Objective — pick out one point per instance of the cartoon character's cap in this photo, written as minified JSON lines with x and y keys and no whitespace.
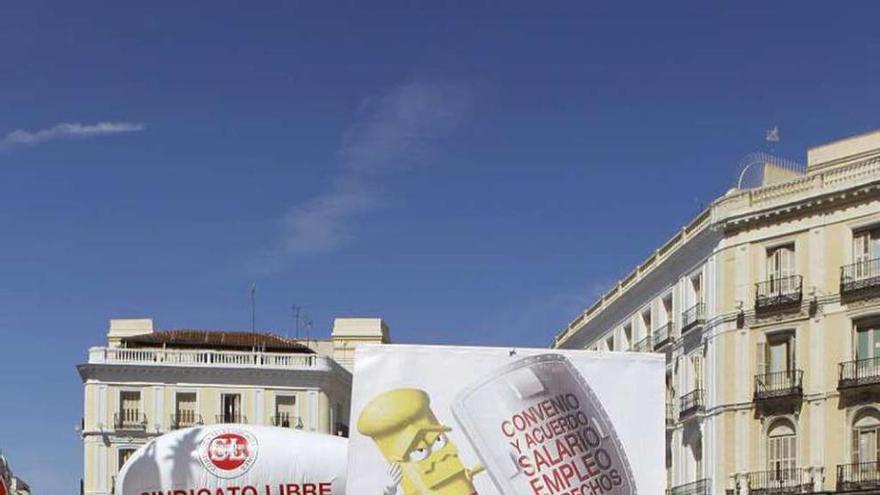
{"x":395,"y":420}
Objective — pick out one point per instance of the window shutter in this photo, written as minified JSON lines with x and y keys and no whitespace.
{"x":860,"y":246}
{"x":877,"y":444}
{"x":761,"y":358}
{"x":855,"y":446}
{"x":698,"y":371}
{"x":792,"y":353}
{"x":788,"y":261}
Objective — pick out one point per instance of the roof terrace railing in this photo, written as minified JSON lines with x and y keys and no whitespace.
{"x":205,"y":358}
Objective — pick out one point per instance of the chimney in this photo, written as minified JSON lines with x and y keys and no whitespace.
{"x":348,"y":333}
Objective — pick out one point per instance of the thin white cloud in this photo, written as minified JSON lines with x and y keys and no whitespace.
{"x":391,"y":133}
{"x":22,"y":137}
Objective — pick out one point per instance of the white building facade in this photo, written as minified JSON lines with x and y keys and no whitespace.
{"x":146,"y":382}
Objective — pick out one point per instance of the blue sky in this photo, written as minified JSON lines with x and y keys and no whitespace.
{"x":473,"y":172}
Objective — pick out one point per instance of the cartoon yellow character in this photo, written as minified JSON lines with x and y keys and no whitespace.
{"x":422,"y":458}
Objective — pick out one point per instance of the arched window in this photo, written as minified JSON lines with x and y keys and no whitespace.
{"x":781,"y":449}
{"x":865,"y":441}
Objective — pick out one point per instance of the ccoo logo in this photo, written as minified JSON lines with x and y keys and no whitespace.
{"x":228,"y":453}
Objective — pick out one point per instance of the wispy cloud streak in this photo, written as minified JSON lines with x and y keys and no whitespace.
{"x":20,"y":137}
{"x":391,"y":133}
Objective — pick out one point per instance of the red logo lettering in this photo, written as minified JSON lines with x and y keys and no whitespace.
{"x":228,"y":451}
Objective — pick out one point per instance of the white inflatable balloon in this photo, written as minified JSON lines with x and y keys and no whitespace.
{"x":237,"y":460}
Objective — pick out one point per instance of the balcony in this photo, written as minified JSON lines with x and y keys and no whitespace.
{"x":231,"y":419}
{"x":779,"y":385}
{"x":644,"y":345}
{"x":287,"y":421}
{"x":863,"y":477}
{"x":779,"y":295}
{"x":861,"y":373}
{"x":130,"y":420}
{"x":662,"y":336}
{"x":693,"y":316}
{"x":699,"y":487}
{"x":185,"y":419}
{"x":860,"y":279}
{"x":780,"y":482}
{"x":691,"y":404}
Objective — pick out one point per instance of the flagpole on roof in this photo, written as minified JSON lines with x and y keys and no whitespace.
{"x":254,"y":312}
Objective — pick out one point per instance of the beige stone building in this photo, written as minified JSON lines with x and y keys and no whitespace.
{"x":767,"y":306}
{"x":145,"y":382}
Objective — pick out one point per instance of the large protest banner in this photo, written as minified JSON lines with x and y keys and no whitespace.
{"x":236,"y":460}
{"x":432,"y":420}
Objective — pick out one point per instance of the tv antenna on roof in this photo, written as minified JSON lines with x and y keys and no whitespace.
{"x":296,"y":311}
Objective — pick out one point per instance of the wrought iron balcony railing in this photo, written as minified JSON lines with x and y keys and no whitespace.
{"x":693,"y":316}
{"x":779,"y":294}
{"x":780,"y":482}
{"x":699,"y":487}
{"x":779,"y":384}
{"x":662,"y":335}
{"x":644,"y":345}
{"x":287,"y":421}
{"x":231,"y":419}
{"x":860,"y":278}
{"x":130,"y":419}
{"x":691,"y":404}
{"x":859,"y":373}
{"x":861,"y":477}
{"x":185,"y":419}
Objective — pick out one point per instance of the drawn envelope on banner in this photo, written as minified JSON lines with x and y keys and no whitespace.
{"x":539,"y":428}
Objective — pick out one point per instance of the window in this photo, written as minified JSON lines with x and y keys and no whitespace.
{"x":697,"y":453}
{"x":609,"y":343}
{"x":627,"y":336}
{"x":695,"y":294}
{"x":340,"y":426}
{"x":866,"y":245}
{"x":667,"y":308}
{"x":695,"y":377}
{"x":781,"y":450}
{"x":123,"y":455}
{"x":646,"y":322}
{"x":185,"y":409}
{"x":780,"y":268}
{"x":865,"y":444}
{"x":231,"y":407}
{"x":285,"y":411}
{"x":867,"y":340}
{"x":776,"y":354}
{"x":129,"y":409}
